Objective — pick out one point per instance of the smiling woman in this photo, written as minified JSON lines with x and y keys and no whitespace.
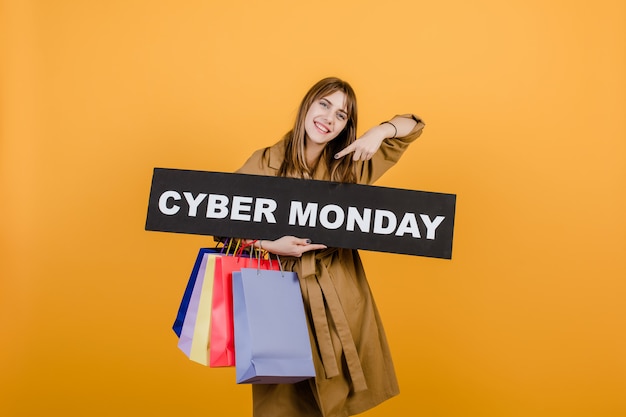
{"x":352,"y":374}
{"x":326,"y":118}
{"x":525,"y":102}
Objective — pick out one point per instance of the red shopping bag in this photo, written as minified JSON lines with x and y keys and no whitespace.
{"x":222,"y":335}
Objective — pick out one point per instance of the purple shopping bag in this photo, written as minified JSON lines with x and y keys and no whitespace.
{"x":194,"y":336}
{"x":272,"y":344}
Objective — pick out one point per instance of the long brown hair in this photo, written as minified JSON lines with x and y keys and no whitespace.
{"x":341,"y":170}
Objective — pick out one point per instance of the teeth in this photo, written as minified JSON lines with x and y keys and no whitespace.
{"x":321,"y":127}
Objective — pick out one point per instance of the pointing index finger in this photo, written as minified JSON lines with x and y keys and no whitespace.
{"x":345,"y":151}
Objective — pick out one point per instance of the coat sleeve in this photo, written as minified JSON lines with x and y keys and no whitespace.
{"x":388,"y":154}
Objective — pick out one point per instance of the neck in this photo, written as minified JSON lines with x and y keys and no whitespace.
{"x":312,"y":154}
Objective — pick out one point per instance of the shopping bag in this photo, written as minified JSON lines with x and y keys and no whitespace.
{"x":222,"y":337}
{"x":194,"y":338}
{"x":272,"y":344}
{"x":201,"y":332}
{"x":198,"y":268}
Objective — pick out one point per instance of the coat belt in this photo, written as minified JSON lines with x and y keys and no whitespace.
{"x":319,"y":287}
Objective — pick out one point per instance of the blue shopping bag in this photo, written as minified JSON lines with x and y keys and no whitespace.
{"x":272,"y":344}
{"x":184,"y":303}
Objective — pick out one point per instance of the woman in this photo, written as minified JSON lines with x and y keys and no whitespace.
{"x":350,"y":351}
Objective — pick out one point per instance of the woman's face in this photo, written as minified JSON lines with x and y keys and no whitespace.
{"x":325,"y":119}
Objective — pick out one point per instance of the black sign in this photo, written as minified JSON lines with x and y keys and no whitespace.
{"x":335,"y":214}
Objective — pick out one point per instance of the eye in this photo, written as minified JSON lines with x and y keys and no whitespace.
{"x":324,"y":104}
{"x":342,"y":116}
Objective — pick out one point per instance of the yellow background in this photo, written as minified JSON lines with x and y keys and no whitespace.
{"x":525,"y":105}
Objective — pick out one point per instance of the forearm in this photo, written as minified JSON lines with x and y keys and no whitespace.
{"x":400,"y":126}
{"x":255,"y":243}
{"x":285,"y":246}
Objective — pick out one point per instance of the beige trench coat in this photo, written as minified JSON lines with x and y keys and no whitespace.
{"x":352,"y":359}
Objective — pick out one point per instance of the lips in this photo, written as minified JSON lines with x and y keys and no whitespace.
{"x":321,"y":127}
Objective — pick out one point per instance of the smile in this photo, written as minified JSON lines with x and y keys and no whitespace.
{"x":321,"y":127}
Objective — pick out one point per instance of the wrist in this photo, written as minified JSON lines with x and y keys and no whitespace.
{"x":262,"y":244}
{"x":391,"y":131}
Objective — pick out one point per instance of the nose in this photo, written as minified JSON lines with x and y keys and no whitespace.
{"x":328,"y":116}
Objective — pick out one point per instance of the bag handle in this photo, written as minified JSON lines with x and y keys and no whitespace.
{"x":240,"y":247}
{"x":260,"y":253}
{"x":228,"y":243}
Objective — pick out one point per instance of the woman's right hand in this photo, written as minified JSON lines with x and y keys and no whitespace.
{"x":290,"y":246}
